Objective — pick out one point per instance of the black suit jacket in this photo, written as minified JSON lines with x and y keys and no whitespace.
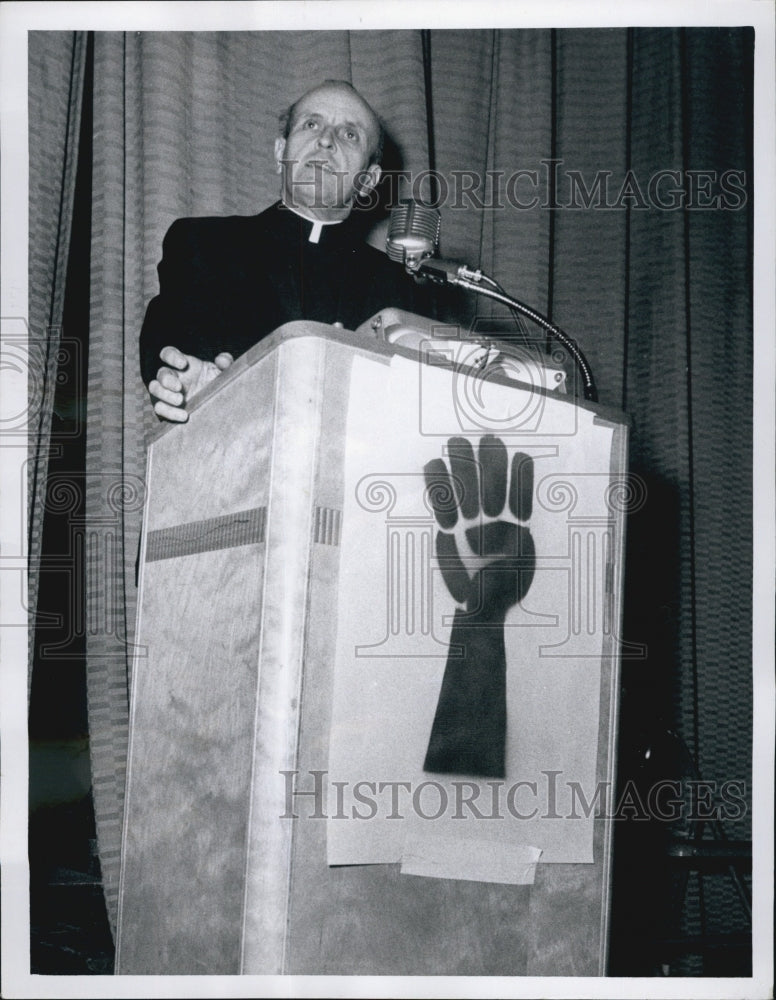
{"x":224,"y":283}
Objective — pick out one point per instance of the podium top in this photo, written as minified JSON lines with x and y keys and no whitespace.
{"x":393,"y":333}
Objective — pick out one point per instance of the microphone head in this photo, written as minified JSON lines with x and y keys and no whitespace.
{"x":413,"y":233}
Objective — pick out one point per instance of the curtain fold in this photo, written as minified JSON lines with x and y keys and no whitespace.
{"x":591,"y":142}
{"x":658,"y":295}
{"x":56,"y":65}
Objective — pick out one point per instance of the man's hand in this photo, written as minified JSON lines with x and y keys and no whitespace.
{"x":180,"y":379}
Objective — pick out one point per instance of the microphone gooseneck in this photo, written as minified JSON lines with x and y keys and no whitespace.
{"x":413,"y":240}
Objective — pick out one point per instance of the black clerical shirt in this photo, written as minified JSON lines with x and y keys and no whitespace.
{"x":225,"y":283}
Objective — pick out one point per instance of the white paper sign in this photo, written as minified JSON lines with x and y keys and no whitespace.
{"x":395,"y":615}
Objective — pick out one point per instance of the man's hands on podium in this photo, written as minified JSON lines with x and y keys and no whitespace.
{"x":180,"y":378}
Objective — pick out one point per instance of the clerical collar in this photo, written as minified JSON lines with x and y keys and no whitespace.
{"x":317,"y":225}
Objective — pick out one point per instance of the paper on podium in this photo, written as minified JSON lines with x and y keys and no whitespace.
{"x":393,"y":630}
{"x":474,"y":860}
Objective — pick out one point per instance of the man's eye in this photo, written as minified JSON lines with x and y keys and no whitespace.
{"x":350,"y":134}
{"x":310,"y":124}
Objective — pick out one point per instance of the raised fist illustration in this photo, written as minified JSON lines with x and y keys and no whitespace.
{"x":487,"y":560}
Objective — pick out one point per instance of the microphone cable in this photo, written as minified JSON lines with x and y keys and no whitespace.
{"x":412,"y":240}
{"x":496,"y":292}
{"x":472,"y":280}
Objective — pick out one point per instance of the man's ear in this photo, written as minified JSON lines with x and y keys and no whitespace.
{"x":280,"y":148}
{"x":369,"y":178}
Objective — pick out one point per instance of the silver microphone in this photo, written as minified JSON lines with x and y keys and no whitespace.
{"x":413,"y":239}
{"x":413,"y":233}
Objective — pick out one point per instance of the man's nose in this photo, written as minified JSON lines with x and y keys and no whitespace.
{"x":326,"y":137}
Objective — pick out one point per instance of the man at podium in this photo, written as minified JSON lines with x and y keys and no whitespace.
{"x":227,"y":282}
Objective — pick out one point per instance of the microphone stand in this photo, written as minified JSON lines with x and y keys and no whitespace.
{"x":442,"y":272}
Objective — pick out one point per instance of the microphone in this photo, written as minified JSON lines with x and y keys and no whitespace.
{"x":413,"y":239}
{"x":413,"y":233}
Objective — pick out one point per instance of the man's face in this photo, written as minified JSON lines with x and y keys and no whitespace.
{"x":325,"y":160}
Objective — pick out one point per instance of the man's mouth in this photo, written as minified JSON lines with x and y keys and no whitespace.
{"x":322,"y":165}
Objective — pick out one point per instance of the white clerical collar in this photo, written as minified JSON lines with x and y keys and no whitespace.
{"x":315,"y":232}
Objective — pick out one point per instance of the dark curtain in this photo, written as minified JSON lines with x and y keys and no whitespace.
{"x":56,"y":74}
{"x":629,"y":225}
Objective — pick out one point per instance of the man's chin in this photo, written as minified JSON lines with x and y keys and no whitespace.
{"x":318,"y":210}
{"x":319,"y":203}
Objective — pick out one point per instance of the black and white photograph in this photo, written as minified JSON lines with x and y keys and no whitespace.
{"x":387,"y":442}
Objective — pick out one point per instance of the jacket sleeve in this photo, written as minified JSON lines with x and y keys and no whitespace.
{"x":180,"y":314}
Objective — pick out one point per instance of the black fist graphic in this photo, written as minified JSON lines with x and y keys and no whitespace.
{"x":487,"y":560}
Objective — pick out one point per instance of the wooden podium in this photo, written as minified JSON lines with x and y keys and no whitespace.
{"x":242,"y":591}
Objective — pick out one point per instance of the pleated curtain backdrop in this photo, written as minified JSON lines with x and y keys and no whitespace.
{"x":56,"y":75}
{"x":658,"y":298}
